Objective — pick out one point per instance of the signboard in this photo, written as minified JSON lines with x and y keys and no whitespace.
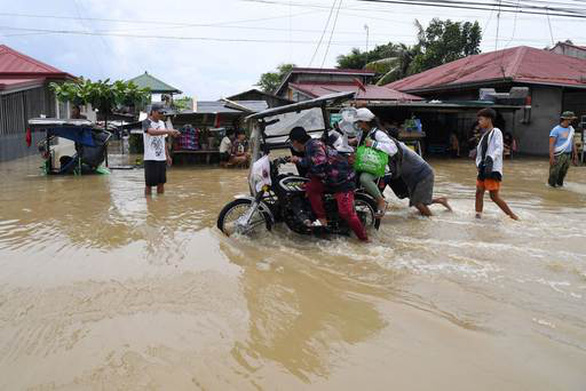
{"x":334,"y":118}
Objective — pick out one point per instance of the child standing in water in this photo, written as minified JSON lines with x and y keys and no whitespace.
{"x":489,"y":162}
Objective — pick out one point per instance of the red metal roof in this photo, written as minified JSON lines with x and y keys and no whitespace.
{"x":15,"y":63}
{"x":520,"y":64}
{"x":372,"y":92}
{"x":360,"y":72}
{"x":9,"y":83}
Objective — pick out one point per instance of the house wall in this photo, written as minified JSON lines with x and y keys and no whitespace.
{"x":15,"y":110}
{"x":575,"y":101}
{"x":569,"y":51}
{"x":546,"y":107}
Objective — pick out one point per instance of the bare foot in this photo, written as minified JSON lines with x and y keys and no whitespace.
{"x":444,"y":202}
{"x":478,"y":215}
{"x":515,"y":217}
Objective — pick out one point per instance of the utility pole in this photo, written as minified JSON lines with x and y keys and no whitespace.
{"x":367,"y":36}
{"x":498,"y":25}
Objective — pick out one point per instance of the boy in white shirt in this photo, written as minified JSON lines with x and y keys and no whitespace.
{"x":489,"y":162}
{"x":156,"y":156}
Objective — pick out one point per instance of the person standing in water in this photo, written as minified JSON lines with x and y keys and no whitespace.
{"x":562,"y":149}
{"x":156,"y":155}
{"x":489,"y":162}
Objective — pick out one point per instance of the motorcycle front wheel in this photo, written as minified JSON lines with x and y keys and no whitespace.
{"x":230,"y":219}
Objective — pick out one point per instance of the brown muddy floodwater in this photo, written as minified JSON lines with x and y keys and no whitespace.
{"x":102,"y":289}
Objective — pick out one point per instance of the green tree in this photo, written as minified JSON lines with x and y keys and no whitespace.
{"x":270,"y":81}
{"x":102,"y":95}
{"x":183,"y":103}
{"x":389,"y":62}
{"x":444,"y":41}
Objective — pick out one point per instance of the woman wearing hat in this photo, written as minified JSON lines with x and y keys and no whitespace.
{"x":562,"y":149}
{"x":375,"y":138}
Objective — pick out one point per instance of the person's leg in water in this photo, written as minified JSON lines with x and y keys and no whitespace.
{"x":347,"y":212}
{"x":148,"y":191}
{"x":565,"y":166}
{"x":494,"y":196}
{"x":161,"y":188}
{"x":422,"y":196}
{"x":557,"y":172}
{"x":480,"y":189}
{"x":368,"y":181}
{"x":315,"y":190}
{"x":442,"y":201}
{"x":423,"y":209}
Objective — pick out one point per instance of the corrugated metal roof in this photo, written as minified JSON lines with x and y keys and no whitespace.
{"x":372,"y":92}
{"x":14,"y":63}
{"x":13,"y":83}
{"x":155,"y":85}
{"x":356,"y":72}
{"x":219,"y":107}
{"x":520,"y":64}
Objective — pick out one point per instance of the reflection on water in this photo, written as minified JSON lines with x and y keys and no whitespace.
{"x":101,"y":287}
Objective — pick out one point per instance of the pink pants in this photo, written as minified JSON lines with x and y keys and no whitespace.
{"x":315,"y":190}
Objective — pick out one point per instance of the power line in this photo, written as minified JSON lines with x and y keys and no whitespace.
{"x":550,"y":31}
{"x":404,"y":2}
{"x":323,"y":33}
{"x":331,"y":34}
{"x":472,"y":6}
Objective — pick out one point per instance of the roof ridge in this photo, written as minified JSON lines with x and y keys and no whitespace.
{"x":520,"y":56}
{"x":48,"y":68}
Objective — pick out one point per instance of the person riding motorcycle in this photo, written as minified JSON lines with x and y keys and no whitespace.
{"x":374,"y":137}
{"x":327,"y":168}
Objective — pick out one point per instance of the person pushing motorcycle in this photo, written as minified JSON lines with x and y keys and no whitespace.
{"x":326,"y":168}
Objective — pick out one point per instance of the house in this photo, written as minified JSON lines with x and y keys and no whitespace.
{"x":156,"y":86}
{"x":556,"y":83}
{"x":569,"y":49}
{"x":24,"y":94}
{"x":258,"y":95}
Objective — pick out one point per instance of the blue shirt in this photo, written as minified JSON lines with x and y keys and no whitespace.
{"x":561,"y":135}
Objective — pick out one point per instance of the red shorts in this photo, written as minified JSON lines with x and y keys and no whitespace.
{"x":489,"y":184}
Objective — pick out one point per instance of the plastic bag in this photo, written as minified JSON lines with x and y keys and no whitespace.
{"x":371,"y":160}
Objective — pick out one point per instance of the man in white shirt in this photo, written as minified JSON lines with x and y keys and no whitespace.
{"x":156,"y":156}
{"x":489,"y":162}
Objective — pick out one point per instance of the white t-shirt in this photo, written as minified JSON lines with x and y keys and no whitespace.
{"x":226,"y":145}
{"x":494,"y":149}
{"x":154,"y":146}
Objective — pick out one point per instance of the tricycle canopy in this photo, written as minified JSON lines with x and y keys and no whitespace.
{"x":270,"y":128}
{"x":77,"y":130}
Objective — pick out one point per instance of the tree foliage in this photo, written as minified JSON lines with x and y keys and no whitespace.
{"x":270,"y":81}
{"x":102,"y":95}
{"x":183,"y":103}
{"x":440,"y":43}
{"x":444,"y":41}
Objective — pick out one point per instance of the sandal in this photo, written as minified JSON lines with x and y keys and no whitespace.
{"x":380,"y":213}
{"x":313,"y":224}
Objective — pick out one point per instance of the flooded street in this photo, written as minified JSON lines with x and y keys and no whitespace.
{"x":103,"y":289}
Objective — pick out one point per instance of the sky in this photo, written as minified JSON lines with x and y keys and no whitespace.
{"x":214,"y":49}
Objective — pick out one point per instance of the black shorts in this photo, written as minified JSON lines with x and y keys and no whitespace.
{"x":155,"y":172}
{"x":224,"y":156}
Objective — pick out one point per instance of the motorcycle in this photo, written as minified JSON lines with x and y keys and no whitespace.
{"x":279,"y":197}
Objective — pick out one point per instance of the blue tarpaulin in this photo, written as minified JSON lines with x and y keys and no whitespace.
{"x":78,"y":134}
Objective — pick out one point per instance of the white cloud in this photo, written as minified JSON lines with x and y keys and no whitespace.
{"x":210,"y":69}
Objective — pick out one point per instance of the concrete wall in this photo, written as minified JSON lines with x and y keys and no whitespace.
{"x":13,"y":146}
{"x":546,"y":107}
{"x":569,"y":51}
